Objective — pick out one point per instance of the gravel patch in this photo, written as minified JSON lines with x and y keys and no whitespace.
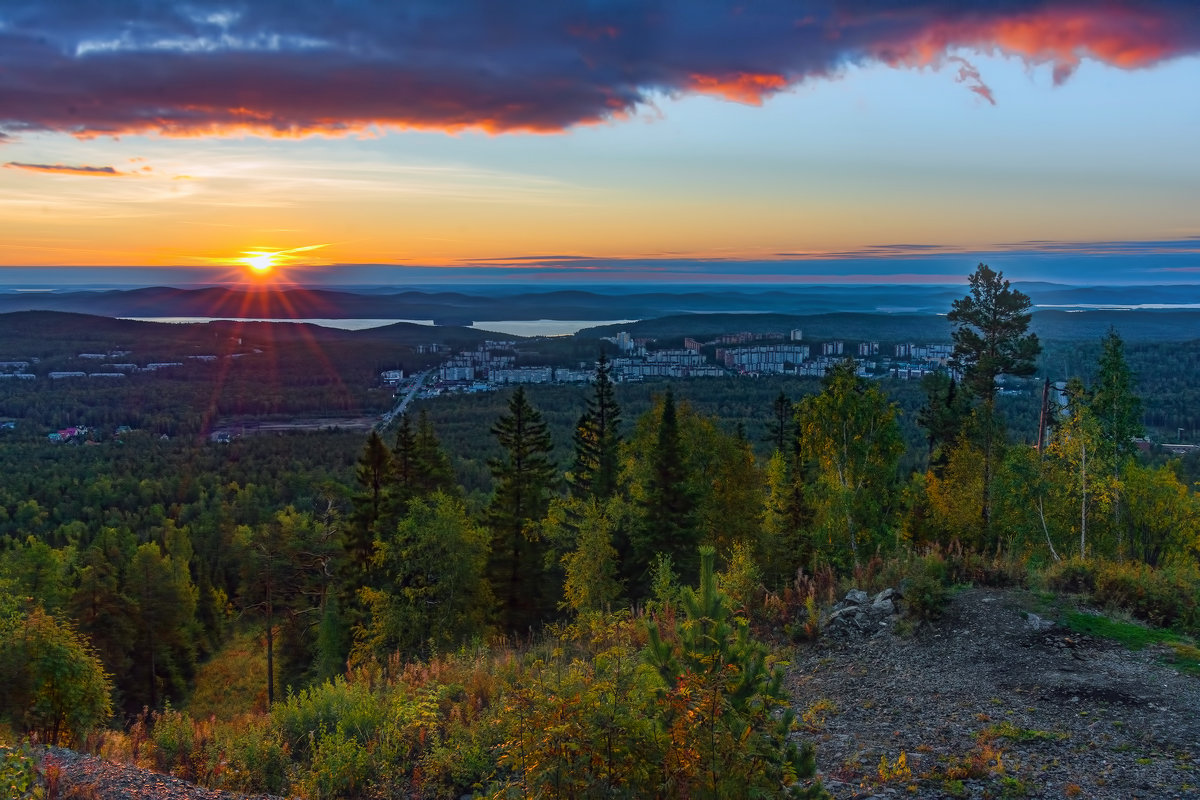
{"x":990,"y":702}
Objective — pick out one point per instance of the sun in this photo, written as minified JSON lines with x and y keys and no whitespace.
{"x":270,"y":265}
{"x":260,"y":263}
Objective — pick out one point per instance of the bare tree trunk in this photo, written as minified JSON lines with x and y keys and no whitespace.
{"x":1042,"y":516}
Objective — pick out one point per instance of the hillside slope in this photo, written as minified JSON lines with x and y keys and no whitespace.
{"x":988,"y":702}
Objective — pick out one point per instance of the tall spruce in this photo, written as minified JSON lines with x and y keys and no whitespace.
{"x":404,"y":468}
{"x":668,"y":508}
{"x":1113,"y":402}
{"x":782,"y":422}
{"x":598,"y":439}
{"x":418,"y":468}
{"x":372,"y":474}
{"x":434,"y":473}
{"x":1118,"y":414}
{"x":524,"y":478}
{"x":991,"y":339}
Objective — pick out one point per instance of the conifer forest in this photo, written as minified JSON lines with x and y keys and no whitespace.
{"x":559,"y":593}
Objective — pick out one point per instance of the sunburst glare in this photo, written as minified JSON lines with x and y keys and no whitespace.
{"x":262,"y":263}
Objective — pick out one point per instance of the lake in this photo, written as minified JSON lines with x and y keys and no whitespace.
{"x":524,"y":327}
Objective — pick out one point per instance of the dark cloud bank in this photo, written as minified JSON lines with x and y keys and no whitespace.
{"x":291,"y":67}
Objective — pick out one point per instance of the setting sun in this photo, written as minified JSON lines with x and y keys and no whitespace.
{"x":261,"y":263}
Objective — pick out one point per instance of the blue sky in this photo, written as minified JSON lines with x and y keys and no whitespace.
{"x":1054,"y":140}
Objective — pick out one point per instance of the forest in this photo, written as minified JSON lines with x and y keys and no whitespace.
{"x":564,"y":592}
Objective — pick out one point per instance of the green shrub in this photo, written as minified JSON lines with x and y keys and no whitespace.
{"x":1164,"y":598}
{"x":1073,"y":576}
{"x":19,"y":777}
{"x":174,"y":739}
{"x":337,"y":704}
{"x":249,"y":756}
{"x":741,"y":579}
{"x":925,"y":592}
{"x":978,"y":569}
{"x":52,"y":683}
{"x":341,"y":766}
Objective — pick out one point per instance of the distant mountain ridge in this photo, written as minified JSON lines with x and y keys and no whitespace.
{"x":559,"y":304}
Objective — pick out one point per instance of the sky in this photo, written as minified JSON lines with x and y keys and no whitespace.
{"x":587,"y":141}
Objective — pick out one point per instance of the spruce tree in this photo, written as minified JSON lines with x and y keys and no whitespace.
{"x":432,"y":468}
{"x":1113,"y":402}
{"x":404,"y":470}
{"x":1118,"y":414}
{"x":419,"y":467}
{"x":781,"y":421}
{"x":598,"y":439}
{"x":372,"y":474}
{"x":524,"y":477}
{"x":943,"y":415}
{"x":668,"y":507}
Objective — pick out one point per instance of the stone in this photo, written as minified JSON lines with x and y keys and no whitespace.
{"x":856,"y":596}
{"x":1036,"y":623}
{"x":884,"y":607}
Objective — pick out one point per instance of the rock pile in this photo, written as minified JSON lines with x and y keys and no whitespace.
{"x":859,"y":614}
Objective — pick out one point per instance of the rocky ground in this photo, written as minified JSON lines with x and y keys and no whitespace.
{"x":75,"y":776}
{"x":993,"y":701}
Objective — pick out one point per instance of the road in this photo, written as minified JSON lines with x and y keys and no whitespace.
{"x":387,"y":418}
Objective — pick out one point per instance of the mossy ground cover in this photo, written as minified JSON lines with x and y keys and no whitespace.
{"x":1185,"y":654}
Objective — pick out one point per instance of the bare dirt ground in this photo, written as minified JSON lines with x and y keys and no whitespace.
{"x":986,"y":702}
{"x":75,"y":776}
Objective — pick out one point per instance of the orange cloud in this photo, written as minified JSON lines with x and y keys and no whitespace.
{"x":743,"y":87}
{"x":1120,"y":36}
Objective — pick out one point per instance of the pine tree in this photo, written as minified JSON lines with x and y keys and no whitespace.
{"x":991,"y":339}
{"x":524,"y":477}
{"x":992,"y":336}
{"x":727,"y":714}
{"x":103,"y":613}
{"x":598,"y":439}
{"x":165,"y":612}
